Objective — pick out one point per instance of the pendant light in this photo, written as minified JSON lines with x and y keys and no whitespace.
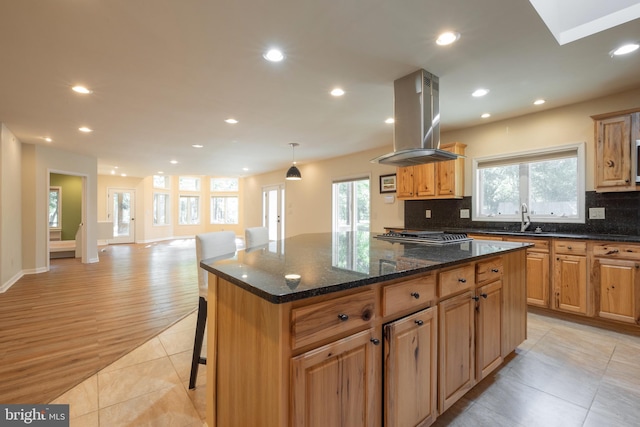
{"x":293,"y":174}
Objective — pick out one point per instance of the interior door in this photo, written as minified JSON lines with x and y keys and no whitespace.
{"x":273,"y":211}
{"x":121,"y":205}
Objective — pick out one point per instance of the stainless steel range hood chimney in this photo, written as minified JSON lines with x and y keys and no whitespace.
{"x":416,"y":131}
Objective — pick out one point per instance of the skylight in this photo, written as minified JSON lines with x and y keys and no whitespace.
{"x":571,"y":20}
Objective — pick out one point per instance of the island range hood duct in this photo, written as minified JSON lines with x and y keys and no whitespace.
{"x":416,"y":130}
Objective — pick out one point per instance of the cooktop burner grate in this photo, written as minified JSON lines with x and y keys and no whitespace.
{"x":425,"y":237}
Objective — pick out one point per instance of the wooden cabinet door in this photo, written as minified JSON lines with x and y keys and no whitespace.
{"x":338,"y":384}
{"x":424,"y":179}
{"x":456,"y":334}
{"x":619,"y":286}
{"x":404,"y":182}
{"x":538,"y":279}
{"x":410,"y":385}
{"x":488,"y":329}
{"x":570,"y":283}
{"x":446,"y":178}
{"x":613,"y":154}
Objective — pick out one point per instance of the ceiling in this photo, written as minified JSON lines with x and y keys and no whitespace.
{"x":165,"y":74}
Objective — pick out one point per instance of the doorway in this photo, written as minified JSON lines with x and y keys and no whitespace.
{"x":121,"y":209}
{"x":273,"y":211}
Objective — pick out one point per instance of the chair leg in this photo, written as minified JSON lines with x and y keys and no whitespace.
{"x":197,"y":345}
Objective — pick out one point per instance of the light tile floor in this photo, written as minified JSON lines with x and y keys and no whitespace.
{"x":565,"y":374}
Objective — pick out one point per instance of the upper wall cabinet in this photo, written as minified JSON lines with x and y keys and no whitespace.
{"x":615,"y":136}
{"x":441,"y":180}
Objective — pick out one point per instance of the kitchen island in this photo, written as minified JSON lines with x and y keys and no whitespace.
{"x":348,"y":330}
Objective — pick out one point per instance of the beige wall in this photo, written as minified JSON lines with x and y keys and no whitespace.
{"x":146,"y":231}
{"x":553,"y":127}
{"x":308,"y":201}
{"x":10,"y":208}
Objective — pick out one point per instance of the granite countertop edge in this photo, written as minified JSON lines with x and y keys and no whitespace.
{"x":353,"y":284}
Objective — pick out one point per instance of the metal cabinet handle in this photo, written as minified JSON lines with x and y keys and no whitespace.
{"x":569,"y":247}
{"x":495,"y":270}
{"x":475,"y":298}
{"x":415,"y":295}
{"x":343,"y":317}
{"x":462,"y":280}
{"x":375,"y":341}
{"x":484,"y":296}
{"x":419,"y":322}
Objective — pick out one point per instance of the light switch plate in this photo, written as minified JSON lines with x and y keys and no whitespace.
{"x":596,"y":213}
{"x":427,"y":213}
{"x":464,"y":213}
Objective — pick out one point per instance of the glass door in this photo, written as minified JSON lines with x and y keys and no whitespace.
{"x":272,"y":211}
{"x":121,"y":210}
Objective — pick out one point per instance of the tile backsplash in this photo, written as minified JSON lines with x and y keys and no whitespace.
{"x":622,"y":216}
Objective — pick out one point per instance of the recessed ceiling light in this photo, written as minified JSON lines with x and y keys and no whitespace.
{"x":113,"y":172}
{"x":623,"y":50}
{"x":485,"y":115}
{"x":231,"y":121}
{"x":337,"y":92}
{"x":480,"y":92}
{"x":245,"y":169}
{"x":46,"y":138}
{"x":160,"y":172}
{"x":173,"y":162}
{"x":273,"y":55}
{"x":197,"y":145}
{"x":389,"y":121}
{"x":85,"y":129}
{"x":123,"y":174}
{"x":539,"y":102}
{"x":447,"y":38}
{"x":81,"y":89}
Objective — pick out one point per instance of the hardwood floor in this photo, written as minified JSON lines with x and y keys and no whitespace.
{"x":61,"y":327}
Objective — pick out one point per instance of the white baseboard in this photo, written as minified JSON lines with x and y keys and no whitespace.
{"x":5,"y":286}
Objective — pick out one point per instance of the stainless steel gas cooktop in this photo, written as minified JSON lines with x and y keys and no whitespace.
{"x":425,"y":237}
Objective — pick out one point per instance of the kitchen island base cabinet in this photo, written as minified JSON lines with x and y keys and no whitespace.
{"x":411,"y":377}
{"x":395,"y":353}
{"x":337,"y":384}
{"x":456,"y":336}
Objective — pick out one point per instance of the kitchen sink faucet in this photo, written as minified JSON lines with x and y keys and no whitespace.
{"x":525,"y":223}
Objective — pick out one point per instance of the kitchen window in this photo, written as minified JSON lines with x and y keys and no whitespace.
{"x":224,"y":210}
{"x":160,"y":209}
{"x":550,"y":182}
{"x":189,"y":210}
{"x":189,"y":183}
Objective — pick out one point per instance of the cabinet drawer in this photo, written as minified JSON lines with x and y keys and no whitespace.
{"x":617,"y":250}
{"x":539,"y":245}
{"x":325,"y":319}
{"x":456,"y":280}
{"x":570,"y":247}
{"x":488,"y":271}
{"x":412,"y":293}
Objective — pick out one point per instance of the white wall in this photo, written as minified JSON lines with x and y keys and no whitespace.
{"x":38,"y":162}
{"x":10,"y":209}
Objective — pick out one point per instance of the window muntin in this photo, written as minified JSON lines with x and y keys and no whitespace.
{"x":224,"y":210}
{"x":161,"y":181}
{"x":189,"y":183}
{"x":550,"y":182}
{"x":160,"y":209}
{"x":224,"y":184}
{"x":189,"y":210}
{"x":55,"y":207}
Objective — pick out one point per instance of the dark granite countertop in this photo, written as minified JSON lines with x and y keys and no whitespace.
{"x":544,"y":234}
{"x":307,"y":265}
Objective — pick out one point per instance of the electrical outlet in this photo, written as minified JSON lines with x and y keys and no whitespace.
{"x":596,"y":213}
{"x":427,"y":213}
{"x":464,"y":213}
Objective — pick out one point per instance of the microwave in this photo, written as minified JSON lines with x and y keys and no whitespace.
{"x":637,"y":161}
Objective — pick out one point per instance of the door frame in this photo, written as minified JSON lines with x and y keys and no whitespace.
{"x":114,"y":240}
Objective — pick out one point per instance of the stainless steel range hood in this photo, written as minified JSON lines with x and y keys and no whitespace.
{"x":416,"y":132}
